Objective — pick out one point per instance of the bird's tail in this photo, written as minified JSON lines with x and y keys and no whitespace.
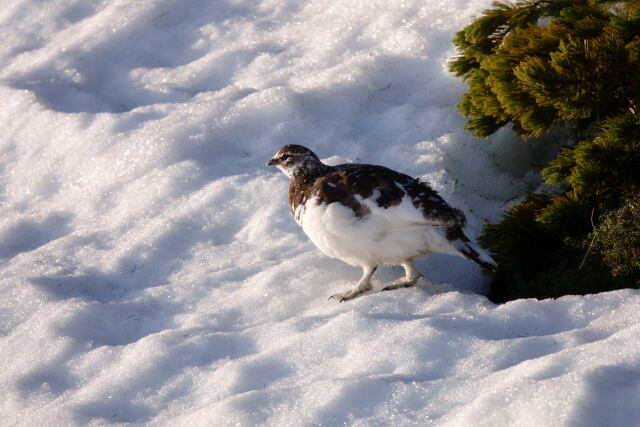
{"x":480,"y":256}
{"x":470,"y":250}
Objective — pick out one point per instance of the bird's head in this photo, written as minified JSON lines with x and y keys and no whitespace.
{"x":294,"y":160}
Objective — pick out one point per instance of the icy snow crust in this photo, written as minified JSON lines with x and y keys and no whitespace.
{"x":150,"y":269}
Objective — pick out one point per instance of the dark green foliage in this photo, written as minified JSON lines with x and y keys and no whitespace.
{"x":617,"y":241}
{"x":537,"y":64}
{"x":534,"y":260}
{"x":519,"y":242}
{"x":605,"y":169}
{"x":543,"y":245}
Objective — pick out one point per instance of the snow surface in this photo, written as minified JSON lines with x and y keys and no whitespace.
{"x":152,"y":273}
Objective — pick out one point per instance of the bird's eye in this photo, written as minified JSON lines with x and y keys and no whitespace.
{"x":285,"y":156}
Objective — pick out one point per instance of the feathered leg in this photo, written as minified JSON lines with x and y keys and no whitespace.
{"x":363,"y":285}
{"x":411,"y":276}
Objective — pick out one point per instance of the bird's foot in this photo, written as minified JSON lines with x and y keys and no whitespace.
{"x":346,"y":296}
{"x":402,"y":283}
{"x":363,"y":285}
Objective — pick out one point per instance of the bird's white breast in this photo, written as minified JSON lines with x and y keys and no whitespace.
{"x":384,"y":236}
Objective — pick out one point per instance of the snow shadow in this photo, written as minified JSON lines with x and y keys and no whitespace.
{"x":356,"y":400}
{"x":54,"y":377}
{"x":114,"y":311}
{"x":101,"y":320}
{"x":610,"y":398}
{"x":28,"y":235}
{"x":184,"y":350}
{"x":260,"y":374}
{"x":92,"y":285}
{"x":85,"y":76}
{"x":145,"y":265}
{"x":121,"y":323}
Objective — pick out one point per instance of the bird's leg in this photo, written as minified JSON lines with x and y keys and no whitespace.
{"x":363,"y":285}
{"x":411,"y":276}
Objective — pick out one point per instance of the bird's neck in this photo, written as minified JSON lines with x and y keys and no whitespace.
{"x":308,"y":172}
{"x":301,"y":184}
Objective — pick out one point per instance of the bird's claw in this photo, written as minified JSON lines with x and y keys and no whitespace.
{"x":339,"y":297}
{"x":398,"y":286}
{"x":402,"y":283}
{"x":345,"y":296}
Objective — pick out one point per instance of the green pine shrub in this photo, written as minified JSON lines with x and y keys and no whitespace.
{"x":605,"y":169}
{"x":617,"y":241}
{"x":535,"y":260}
{"x":540,"y":64}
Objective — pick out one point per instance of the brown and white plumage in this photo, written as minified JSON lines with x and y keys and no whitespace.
{"x":368,"y":215}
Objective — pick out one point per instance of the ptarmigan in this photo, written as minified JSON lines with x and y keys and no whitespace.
{"x":368,"y":216}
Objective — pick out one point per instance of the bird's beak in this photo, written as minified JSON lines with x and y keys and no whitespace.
{"x":271,"y":162}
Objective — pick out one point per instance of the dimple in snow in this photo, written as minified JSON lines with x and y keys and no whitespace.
{"x":369,"y":215}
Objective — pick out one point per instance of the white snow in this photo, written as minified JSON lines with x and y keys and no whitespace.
{"x":151,"y":271}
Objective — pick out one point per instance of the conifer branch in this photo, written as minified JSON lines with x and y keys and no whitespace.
{"x":592,"y":240}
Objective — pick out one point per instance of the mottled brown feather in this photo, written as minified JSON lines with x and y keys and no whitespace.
{"x":341,"y":184}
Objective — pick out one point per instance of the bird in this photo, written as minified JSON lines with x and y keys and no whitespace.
{"x":369,"y":215}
